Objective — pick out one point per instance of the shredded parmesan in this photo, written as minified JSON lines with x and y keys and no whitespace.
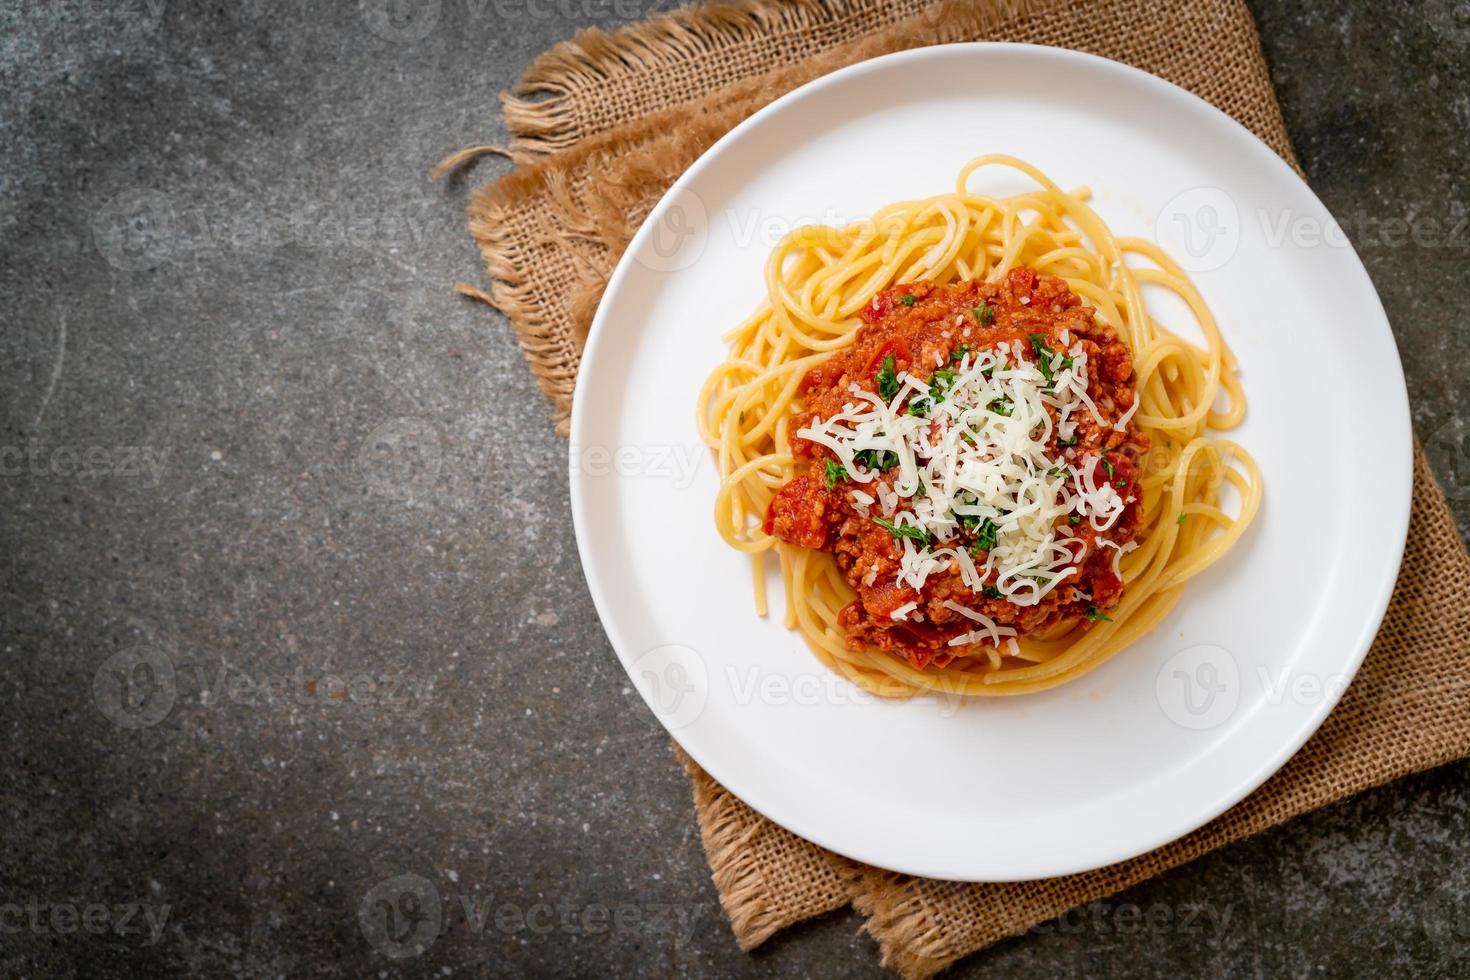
{"x":981,"y":455}
{"x":1119,"y":550}
{"x":991,"y":631}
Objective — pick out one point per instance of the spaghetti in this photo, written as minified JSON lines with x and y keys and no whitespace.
{"x":1043,"y":489}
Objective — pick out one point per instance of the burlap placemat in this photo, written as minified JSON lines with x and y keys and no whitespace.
{"x":603,"y":124}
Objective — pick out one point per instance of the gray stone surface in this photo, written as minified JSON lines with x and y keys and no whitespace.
{"x":256,"y":447}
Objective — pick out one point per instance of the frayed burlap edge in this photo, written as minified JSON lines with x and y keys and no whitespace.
{"x":550,"y":348}
{"x":540,"y":111}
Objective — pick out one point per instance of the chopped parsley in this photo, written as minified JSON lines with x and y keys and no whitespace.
{"x":958,"y":354}
{"x":836,"y":473}
{"x":986,"y":535}
{"x":887,"y":379}
{"x":910,"y":299}
{"x":984,"y":314}
{"x":1107,"y":467}
{"x":939,"y":382}
{"x":904,"y":531}
{"x":1074,"y":519}
{"x":1002,"y":406}
{"x":1094,"y":615}
{"x":1120,"y":484}
{"x":992,"y":592}
{"x":881,"y":460}
{"x":1069,"y":441}
{"x":1044,"y":354}
{"x":1181,"y":518}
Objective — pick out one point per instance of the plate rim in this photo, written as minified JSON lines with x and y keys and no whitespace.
{"x":1400,"y":473}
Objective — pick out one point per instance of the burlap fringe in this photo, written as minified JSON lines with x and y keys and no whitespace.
{"x":512,"y":293}
{"x":474,"y":292}
{"x":461,"y":157}
{"x":902,"y":926}
{"x":538,"y":111}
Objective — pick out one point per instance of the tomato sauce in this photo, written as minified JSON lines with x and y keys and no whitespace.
{"x":922,"y":326}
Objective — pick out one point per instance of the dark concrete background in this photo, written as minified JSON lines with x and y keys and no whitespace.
{"x":195,"y":483}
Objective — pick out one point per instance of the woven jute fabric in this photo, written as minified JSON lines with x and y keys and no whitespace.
{"x":601,"y":125}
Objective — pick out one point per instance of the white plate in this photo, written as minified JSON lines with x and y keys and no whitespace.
{"x":1172,"y":731}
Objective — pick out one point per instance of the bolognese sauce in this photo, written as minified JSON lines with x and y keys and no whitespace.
{"x":957,"y":531}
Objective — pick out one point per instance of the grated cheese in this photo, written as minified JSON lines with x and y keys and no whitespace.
{"x":974,"y":461}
